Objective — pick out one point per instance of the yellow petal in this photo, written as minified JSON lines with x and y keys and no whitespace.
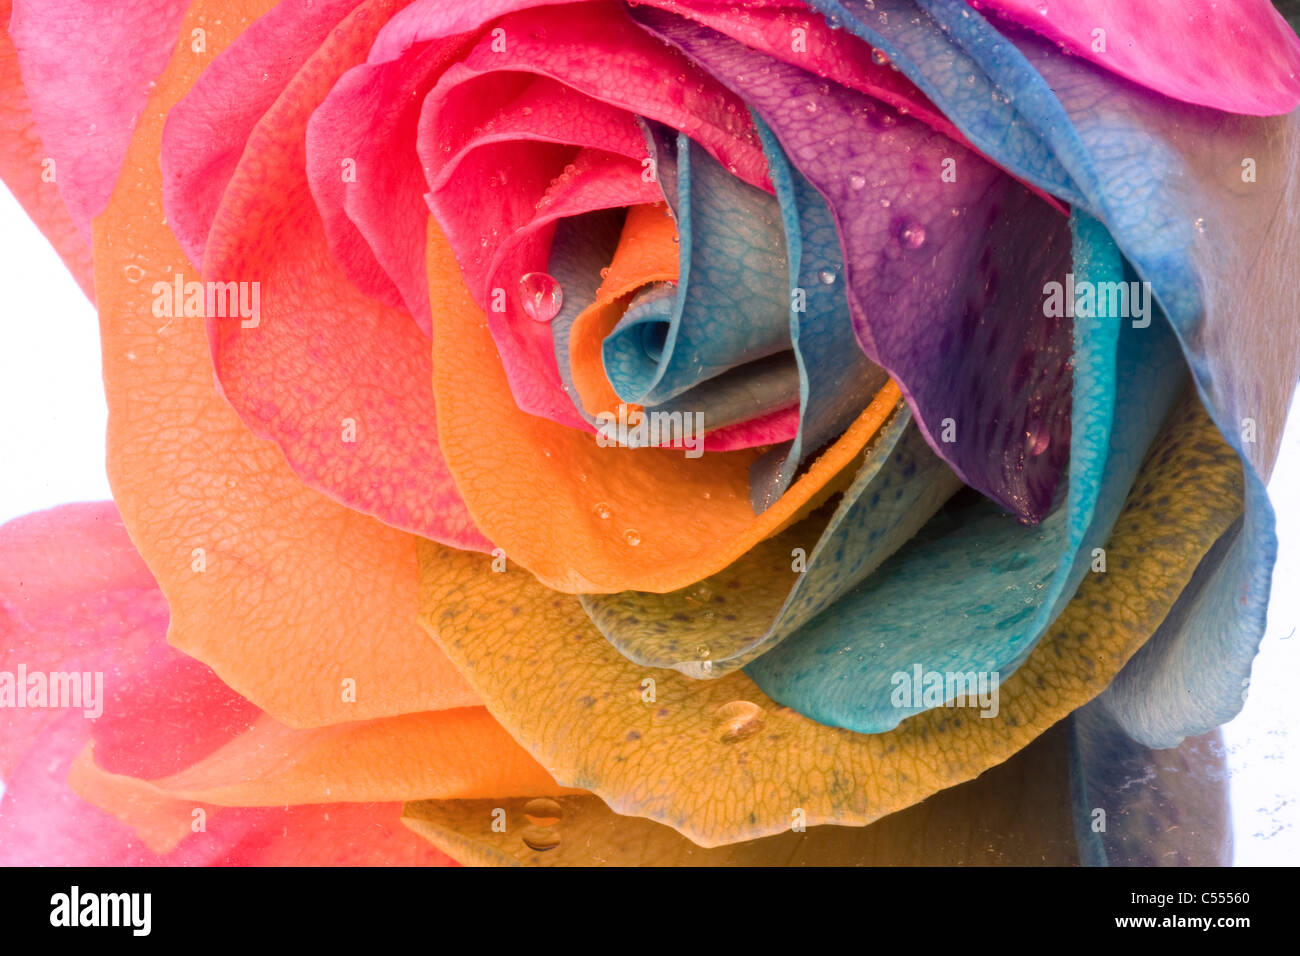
{"x":721,"y":762}
{"x":1017,"y":814}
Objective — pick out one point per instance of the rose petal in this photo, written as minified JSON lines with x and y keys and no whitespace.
{"x":487,"y":189}
{"x":1235,"y":55}
{"x":366,"y":178}
{"x":975,"y":590}
{"x":1183,"y":190}
{"x":75,"y":597}
{"x":207,"y":130}
{"x":586,"y":518}
{"x":731,"y":304}
{"x":835,"y":379}
{"x":720,"y":762}
{"x":1176,"y":816}
{"x":299,"y":592}
{"x":1193,"y":199}
{"x":943,"y":303}
{"x":24,"y":169}
{"x":85,"y":114}
{"x":730,"y":618}
{"x":451,"y":754}
{"x":339,"y":381}
{"x":1016,"y":814}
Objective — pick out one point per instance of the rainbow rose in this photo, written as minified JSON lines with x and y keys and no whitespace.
{"x":666,"y":432}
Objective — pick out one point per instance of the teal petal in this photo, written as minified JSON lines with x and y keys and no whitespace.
{"x":976,"y":589}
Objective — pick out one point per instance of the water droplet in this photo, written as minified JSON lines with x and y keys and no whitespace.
{"x":702,"y":652}
{"x":134,"y":273}
{"x":738,"y":720}
{"x":1042,"y":9}
{"x":541,"y":296}
{"x":601,"y":510}
{"x":1037,"y":438}
{"x":1200,"y":225}
{"x":857,"y":181}
{"x":880,"y":57}
{"x":912,"y":235}
{"x":827,"y":277}
{"x":885,"y":204}
{"x":632,"y":537}
{"x":543,"y":812}
{"x":539,"y":839}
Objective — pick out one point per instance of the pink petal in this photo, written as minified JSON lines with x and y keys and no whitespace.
{"x":75,"y":597}
{"x":1234,"y":55}
{"x":207,"y":130}
{"x":23,"y":166}
{"x":87,"y":66}
{"x":375,"y":216}
{"x":834,"y":54}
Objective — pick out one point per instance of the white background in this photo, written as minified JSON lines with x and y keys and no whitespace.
{"x":52,"y":451}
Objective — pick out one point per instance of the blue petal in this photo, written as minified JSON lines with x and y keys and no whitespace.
{"x":836,"y":380}
{"x":731,"y":305}
{"x":1134,"y":806}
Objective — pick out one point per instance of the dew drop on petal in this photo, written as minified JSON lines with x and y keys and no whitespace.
{"x":543,"y":812}
{"x":134,"y":273}
{"x":540,"y":839}
{"x":632,"y":537}
{"x":912,"y":235}
{"x":857,"y":181}
{"x":827,"y":277}
{"x":738,"y":720}
{"x":541,"y":296}
{"x":1037,"y":438}
{"x":601,"y":510}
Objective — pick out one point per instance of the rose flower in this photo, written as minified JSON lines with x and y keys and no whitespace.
{"x":675,"y":432}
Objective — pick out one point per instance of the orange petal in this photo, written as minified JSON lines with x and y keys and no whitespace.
{"x":451,"y":754}
{"x":570,"y":510}
{"x":646,"y":253}
{"x":284,"y":592}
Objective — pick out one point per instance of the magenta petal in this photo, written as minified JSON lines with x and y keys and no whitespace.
{"x":87,"y":67}
{"x":835,"y":55}
{"x":594,"y":180}
{"x":366,"y":178}
{"x":207,"y":130}
{"x":1234,"y":55}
